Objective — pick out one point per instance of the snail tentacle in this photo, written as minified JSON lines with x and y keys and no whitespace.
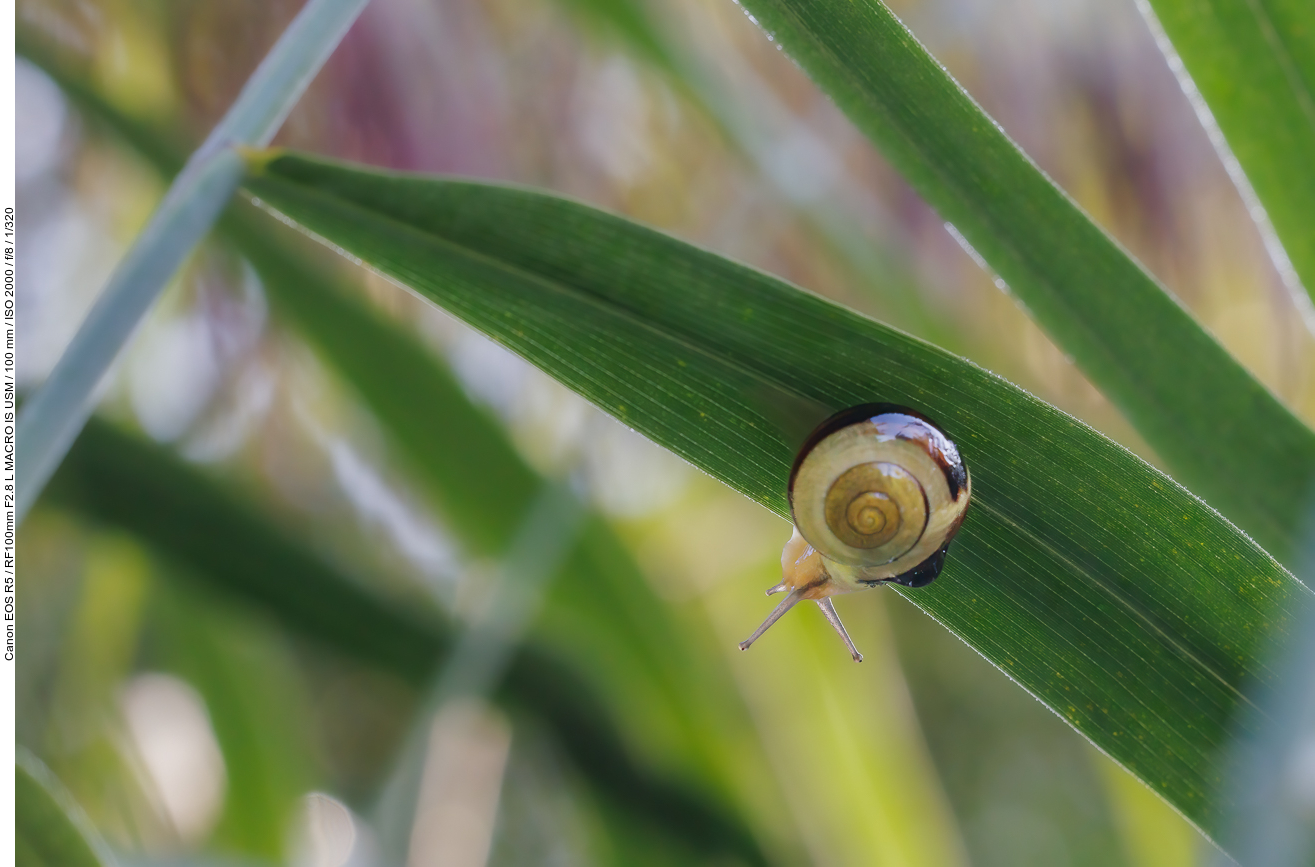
{"x":829,"y":609}
{"x":785,"y":605}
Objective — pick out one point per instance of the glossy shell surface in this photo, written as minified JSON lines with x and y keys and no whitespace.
{"x":879,"y":490}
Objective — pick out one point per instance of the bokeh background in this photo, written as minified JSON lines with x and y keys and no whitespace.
{"x":195,"y":726}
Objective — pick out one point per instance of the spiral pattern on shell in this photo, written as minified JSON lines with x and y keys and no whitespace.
{"x":879,"y":488}
{"x":876,"y":505}
{"x":870,"y":518}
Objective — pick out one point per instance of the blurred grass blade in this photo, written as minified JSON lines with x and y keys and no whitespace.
{"x":285,"y":73}
{"x":121,"y":480}
{"x":49,"y":829}
{"x":543,"y":542}
{"x":480,"y":485}
{"x":1221,"y":433}
{"x":125,"y":481}
{"x":1116,"y":597}
{"x":1153,"y":835}
{"x":57,"y":411}
{"x":629,"y":22}
{"x":1248,"y":67}
{"x":479,"y":658}
{"x":1272,"y":764}
{"x":51,"y":419}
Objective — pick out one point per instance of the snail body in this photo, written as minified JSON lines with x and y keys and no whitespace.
{"x":877,"y":493}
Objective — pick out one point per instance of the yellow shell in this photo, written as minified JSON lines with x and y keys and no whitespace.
{"x":878,"y":489}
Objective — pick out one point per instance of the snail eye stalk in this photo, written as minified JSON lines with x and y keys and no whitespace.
{"x":829,"y":609}
{"x":786,"y":604}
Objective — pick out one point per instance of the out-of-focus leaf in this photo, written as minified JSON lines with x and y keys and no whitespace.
{"x":628,"y":20}
{"x":48,"y":832}
{"x":479,"y":483}
{"x":121,"y":480}
{"x":126,"y":482}
{"x":1253,"y":63}
{"x":260,"y":721}
{"x":577,"y":719}
{"x":1112,"y":594}
{"x":1153,"y":834}
{"x":157,"y":146}
{"x":1221,"y":433}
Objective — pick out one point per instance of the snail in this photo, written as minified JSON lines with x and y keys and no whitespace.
{"x":876,"y":493}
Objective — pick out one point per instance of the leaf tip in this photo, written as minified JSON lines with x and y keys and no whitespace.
{"x":258,"y":159}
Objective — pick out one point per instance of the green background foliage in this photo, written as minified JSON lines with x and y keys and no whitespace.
{"x":279,"y":590}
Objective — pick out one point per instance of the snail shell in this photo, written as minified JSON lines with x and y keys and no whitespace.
{"x":877,"y":493}
{"x":879,"y":490}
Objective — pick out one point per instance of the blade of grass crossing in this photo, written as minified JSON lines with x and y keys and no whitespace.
{"x":1248,"y":67}
{"x":52,"y":417}
{"x":479,"y":659}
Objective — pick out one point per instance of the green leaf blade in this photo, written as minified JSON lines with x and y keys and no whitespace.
{"x":1220,"y":432}
{"x":1119,"y":599}
{"x":1253,"y":64}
